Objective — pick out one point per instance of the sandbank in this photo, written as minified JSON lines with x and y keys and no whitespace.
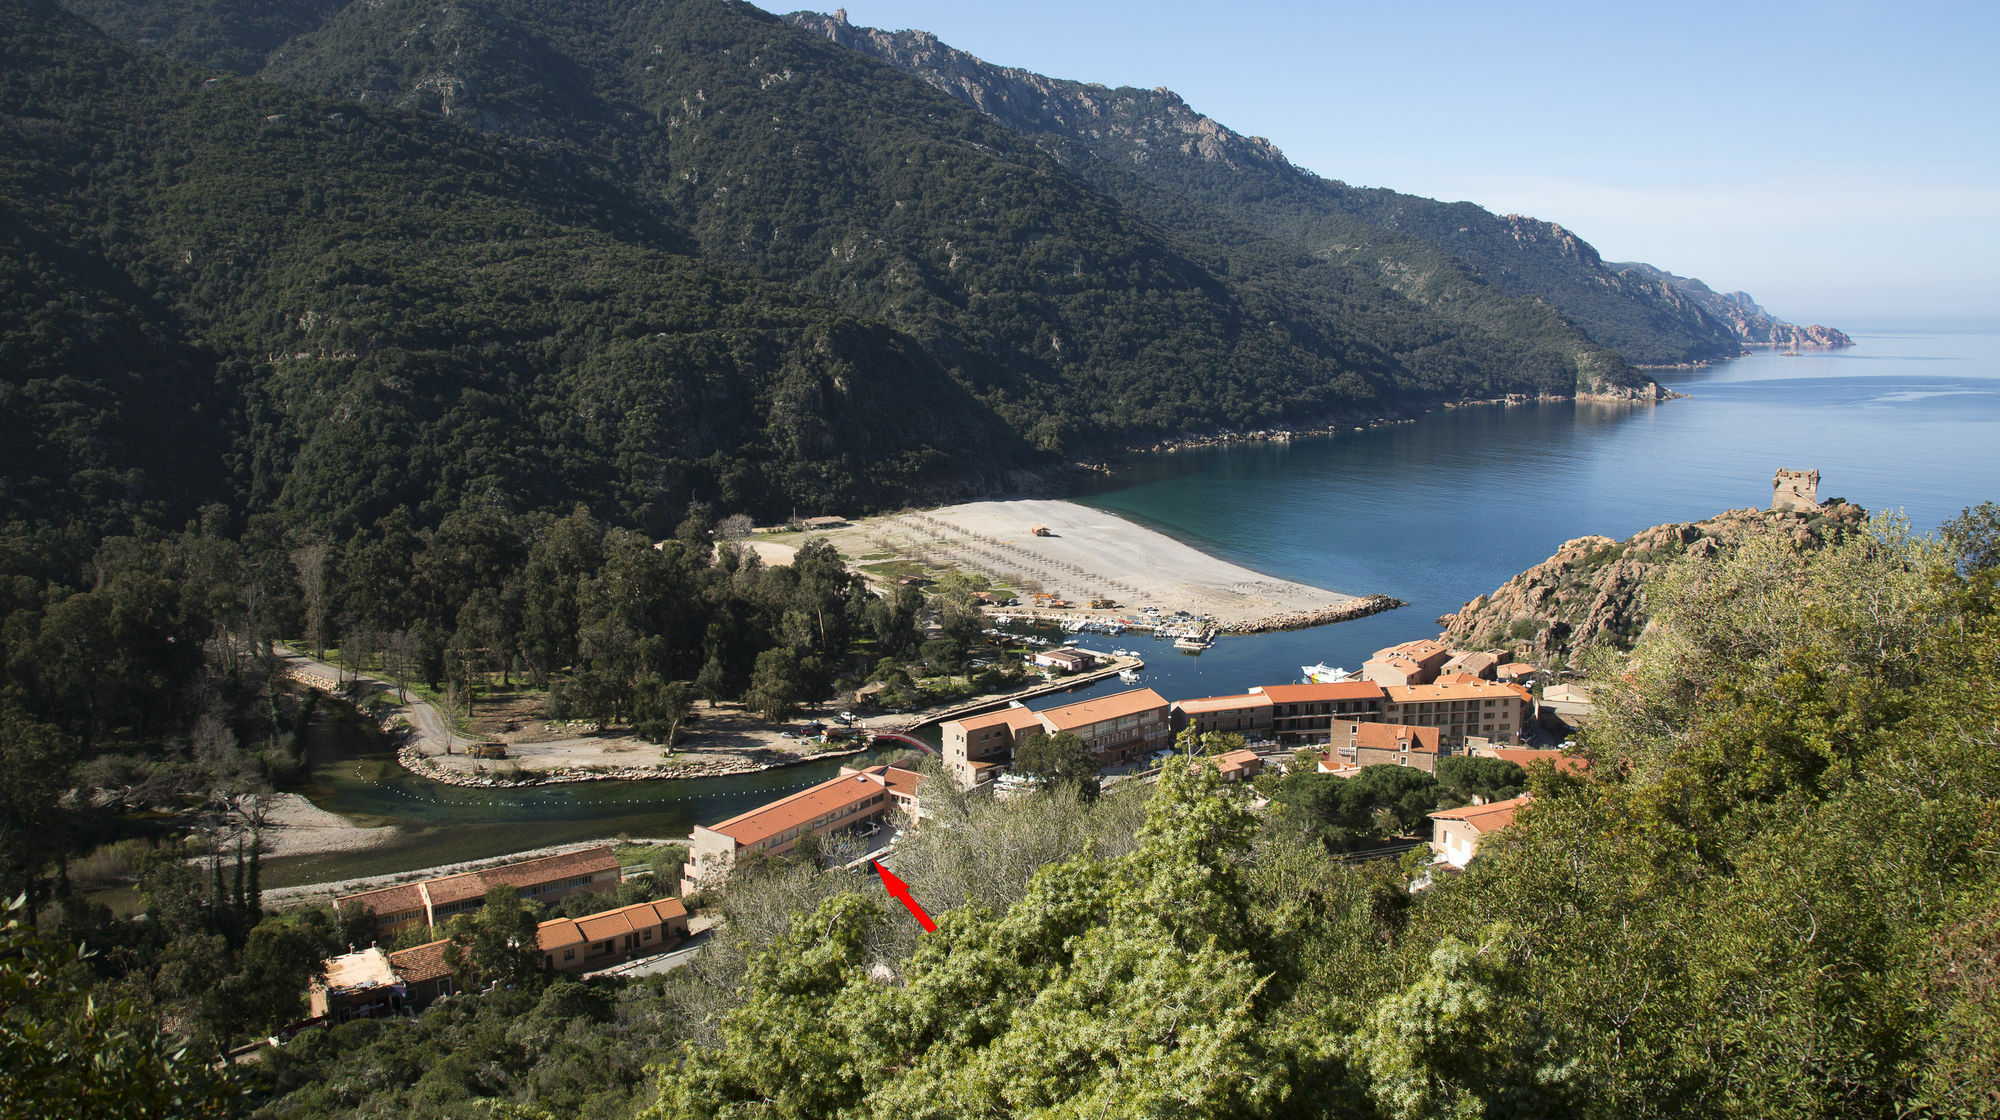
{"x":1089,"y":554}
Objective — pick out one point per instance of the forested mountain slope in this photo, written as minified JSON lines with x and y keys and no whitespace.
{"x":1412,"y":240}
{"x":340,"y":310}
{"x":624,"y":173}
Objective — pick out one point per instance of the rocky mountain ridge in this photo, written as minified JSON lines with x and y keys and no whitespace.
{"x":1591,"y":594}
{"x":1158,"y":136}
{"x":1752,"y":324}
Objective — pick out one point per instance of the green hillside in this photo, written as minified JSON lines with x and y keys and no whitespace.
{"x":568,"y":250}
{"x":1463,"y":259}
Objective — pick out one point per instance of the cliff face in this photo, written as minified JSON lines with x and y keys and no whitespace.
{"x":1156,"y":136}
{"x":1592,"y":593}
{"x":1751,"y":323}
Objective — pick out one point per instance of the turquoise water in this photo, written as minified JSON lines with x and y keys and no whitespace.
{"x":1433,"y":512}
{"x":1451,"y":506}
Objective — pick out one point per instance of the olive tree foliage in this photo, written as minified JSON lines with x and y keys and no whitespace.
{"x":69,"y":1051}
{"x":1113,"y":987}
{"x":1772,"y":895}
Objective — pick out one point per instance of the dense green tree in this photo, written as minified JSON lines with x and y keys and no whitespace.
{"x":494,"y":945}
{"x":774,"y":688}
{"x":1062,"y":757}
{"x":1461,"y":778}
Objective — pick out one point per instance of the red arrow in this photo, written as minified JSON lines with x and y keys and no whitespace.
{"x":901,"y":891}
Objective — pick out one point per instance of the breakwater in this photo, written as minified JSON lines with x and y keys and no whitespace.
{"x":1318,"y":616}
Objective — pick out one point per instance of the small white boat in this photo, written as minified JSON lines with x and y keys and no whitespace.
{"x":1323,"y":673}
{"x":1191,"y":642}
{"x":1128,"y":676}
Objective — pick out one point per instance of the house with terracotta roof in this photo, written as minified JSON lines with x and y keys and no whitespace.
{"x":1416,"y":662}
{"x":979,"y":747}
{"x":1385,"y":744}
{"x":1571,"y":702}
{"x":1456,"y":833}
{"x":432,"y":902}
{"x":1247,"y":714}
{"x":1519,"y":672}
{"x":611,"y":937}
{"x":359,"y":985}
{"x":855,"y":797}
{"x":425,"y":976}
{"x":1487,"y":709}
{"x":1479,"y":663}
{"x":1235,"y":766}
{"x":1118,"y":727}
{"x":1303,"y":714}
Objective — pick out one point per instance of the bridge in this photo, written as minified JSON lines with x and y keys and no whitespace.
{"x":911,"y":740}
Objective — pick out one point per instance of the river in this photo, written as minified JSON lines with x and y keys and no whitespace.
{"x":1433,"y":512}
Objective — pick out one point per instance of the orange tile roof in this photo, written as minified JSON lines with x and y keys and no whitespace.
{"x":1313,"y":693}
{"x":556,"y":933}
{"x":1416,"y":649}
{"x":1472,"y":690}
{"x":420,"y":963}
{"x":1396,"y":737}
{"x":385,"y":900}
{"x":830,"y":796}
{"x":1104,"y":707}
{"x":527,"y":873}
{"x":1224,"y":703}
{"x":1485,"y":818}
{"x":900,"y":780}
{"x":1517,"y":669}
{"x":1015,"y":718}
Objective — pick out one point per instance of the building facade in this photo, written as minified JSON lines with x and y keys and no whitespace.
{"x":1247,"y":714}
{"x":855,"y":797}
{"x":1303,"y":714}
{"x":1488,"y":709}
{"x":432,"y":902}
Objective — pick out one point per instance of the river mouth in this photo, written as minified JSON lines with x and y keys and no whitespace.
{"x":353,"y":772}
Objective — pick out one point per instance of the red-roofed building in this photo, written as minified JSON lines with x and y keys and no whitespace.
{"x":1303,"y":714}
{"x":1235,"y":766}
{"x":433,"y":901}
{"x":600,"y":940}
{"x":1456,"y":833}
{"x":1386,"y":744}
{"x":1416,"y":662}
{"x":1487,"y":709}
{"x":1247,"y":714}
{"x":1118,"y":727}
{"x":978,"y":747}
{"x":855,"y":797}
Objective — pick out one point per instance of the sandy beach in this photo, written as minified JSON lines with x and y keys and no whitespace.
{"x":1088,"y":554}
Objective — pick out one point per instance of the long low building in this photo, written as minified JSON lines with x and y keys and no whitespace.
{"x":372,"y":983}
{"x":1118,"y":728}
{"x":1303,"y":714}
{"x":432,"y":902}
{"x":852,"y":798}
{"x":1247,"y":714}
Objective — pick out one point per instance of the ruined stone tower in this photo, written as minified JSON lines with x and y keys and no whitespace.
{"x":1795,"y":490}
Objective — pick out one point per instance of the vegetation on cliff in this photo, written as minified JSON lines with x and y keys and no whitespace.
{"x":1593,"y":595}
{"x":1771,"y":894}
{"x":1487,"y":271}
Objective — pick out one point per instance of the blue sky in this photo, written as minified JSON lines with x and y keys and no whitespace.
{"x":1840,"y":162}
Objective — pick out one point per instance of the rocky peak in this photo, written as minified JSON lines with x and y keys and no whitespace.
{"x":1592,"y":593}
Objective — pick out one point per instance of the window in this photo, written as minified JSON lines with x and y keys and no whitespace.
{"x":569,"y":954}
{"x":646,"y":935}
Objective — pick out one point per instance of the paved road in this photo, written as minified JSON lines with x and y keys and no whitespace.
{"x":665,"y":962}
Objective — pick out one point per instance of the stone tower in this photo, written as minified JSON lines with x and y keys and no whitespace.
{"x":1795,"y":490}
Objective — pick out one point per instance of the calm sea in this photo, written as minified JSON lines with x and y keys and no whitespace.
{"x":1451,"y":506}
{"x":1433,"y":512}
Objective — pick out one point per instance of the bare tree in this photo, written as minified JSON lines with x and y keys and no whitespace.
{"x":310,"y":563}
